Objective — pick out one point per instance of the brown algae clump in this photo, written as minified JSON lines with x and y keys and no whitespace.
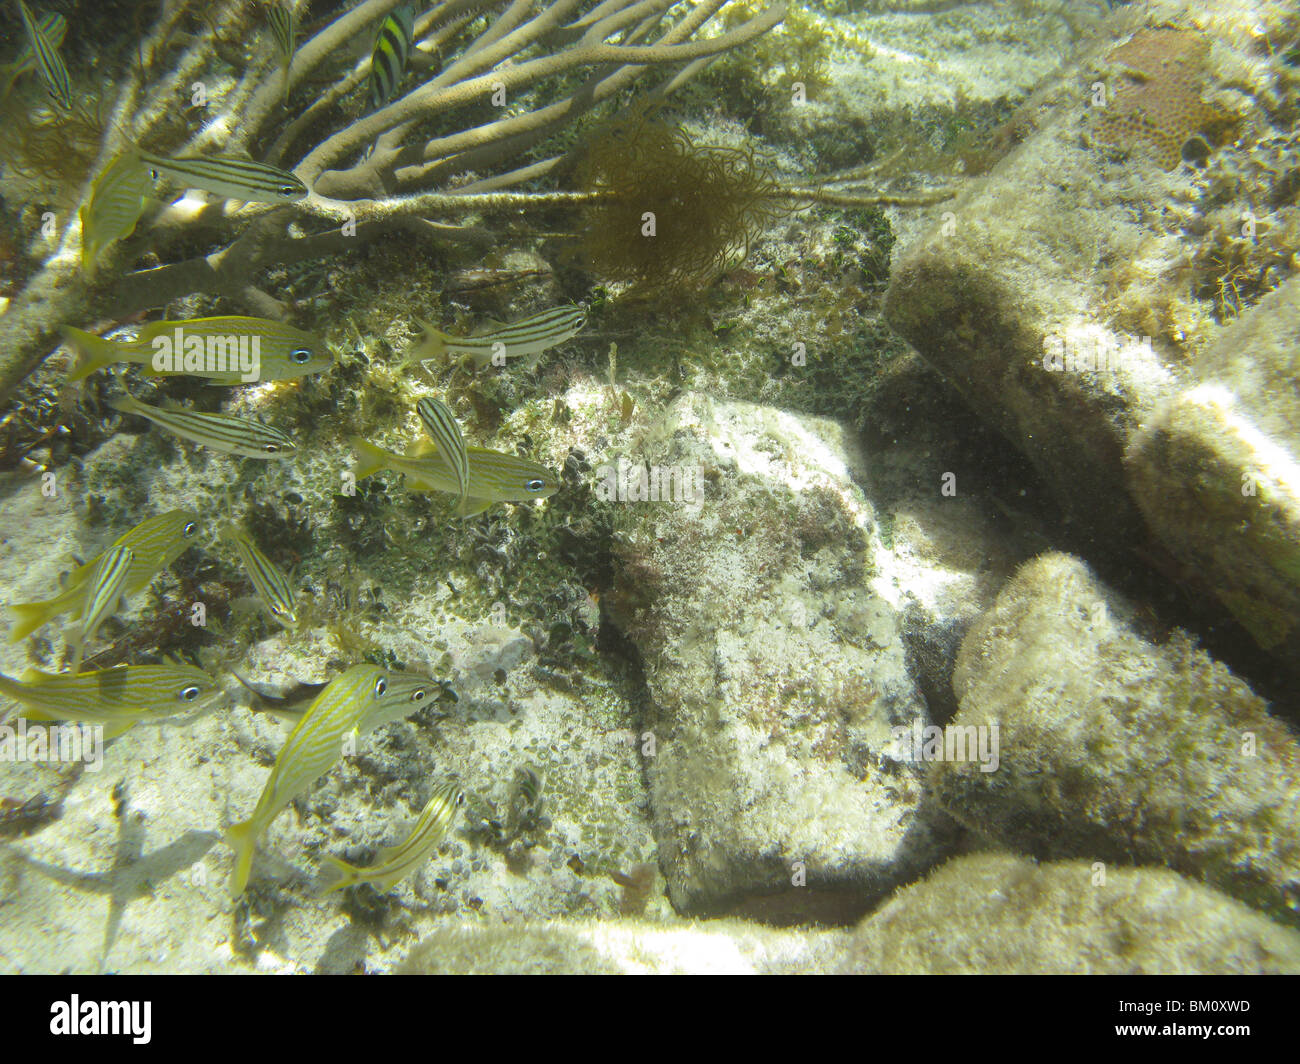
{"x":671,"y":214}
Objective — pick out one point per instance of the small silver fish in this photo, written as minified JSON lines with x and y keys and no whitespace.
{"x":49,"y":66}
{"x":530,"y":336}
{"x":240,"y":179}
{"x":105,"y":590}
{"x":395,"y":863}
{"x":440,"y":423}
{"x":221,"y":432}
{"x":269,"y":581}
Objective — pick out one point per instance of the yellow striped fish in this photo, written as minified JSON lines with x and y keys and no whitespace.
{"x":124,"y":694}
{"x":270,"y":583}
{"x":220,"y":349}
{"x":531,"y":336}
{"x":54,"y":27}
{"x":117,"y":199}
{"x":310,"y":751}
{"x":440,"y":423}
{"x":280,"y":18}
{"x":408,"y":692}
{"x":392,"y":49}
{"x":156,"y":542}
{"x":240,"y":179}
{"x":105,"y":590}
{"x":221,"y":432}
{"x":49,"y":66}
{"x":395,"y":863}
{"x":493,"y":475}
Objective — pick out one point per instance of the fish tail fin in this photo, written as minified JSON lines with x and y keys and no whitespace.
{"x":27,"y":617}
{"x":93,"y":352}
{"x":80,"y":651}
{"x":370,"y":458}
{"x":242,"y":838}
{"x":345,"y":875}
{"x":433,"y":348}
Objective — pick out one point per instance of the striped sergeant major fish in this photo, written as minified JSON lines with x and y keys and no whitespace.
{"x":494,"y":476}
{"x":221,"y":432}
{"x":394,"y":863}
{"x":156,"y":542}
{"x":49,"y":67}
{"x":218,"y":349}
{"x":311,"y":750}
{"x":240,"y":179}
{"x":268,"y":579}
{"x":440,"y":423}
{"x":54,"y":27}
{"x":117,"y":200}
{"x":528,"y":337}
{"x":105,"y":593}
{"x":391,"y":51}
{"x":282,"y":21}
{"x":117,"y":698}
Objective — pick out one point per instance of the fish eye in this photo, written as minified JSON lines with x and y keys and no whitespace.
{"x":418,"y":694}
{"x":190,"y":528}
{"x":272,"y":448}
{"x":534,"y":485}
{"x":300,"y":356}
{"x":189,"y":694}
{"x":288,"y":190}
{"x":460,"y":797}
{"x":381,"y":685}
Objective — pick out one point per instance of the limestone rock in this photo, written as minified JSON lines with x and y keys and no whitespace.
{"x":1117,"y":748}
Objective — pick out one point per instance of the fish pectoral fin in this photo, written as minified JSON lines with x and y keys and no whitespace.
{"x":32,"y":713}
{"x":472,"y":506}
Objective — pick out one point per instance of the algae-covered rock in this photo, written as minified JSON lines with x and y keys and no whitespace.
{"x":775,"y":671}
{"x":1215,"y":471}
{"x":981,"y":914}
{"x":999,"y":914}
{"x":1121,"y":749}
{"x":1085,"y":290}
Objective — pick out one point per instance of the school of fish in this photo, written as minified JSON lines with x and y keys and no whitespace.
{"x":237,"y":351}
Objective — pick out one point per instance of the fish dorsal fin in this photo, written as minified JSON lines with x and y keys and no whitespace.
{"x":487,"y":325}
